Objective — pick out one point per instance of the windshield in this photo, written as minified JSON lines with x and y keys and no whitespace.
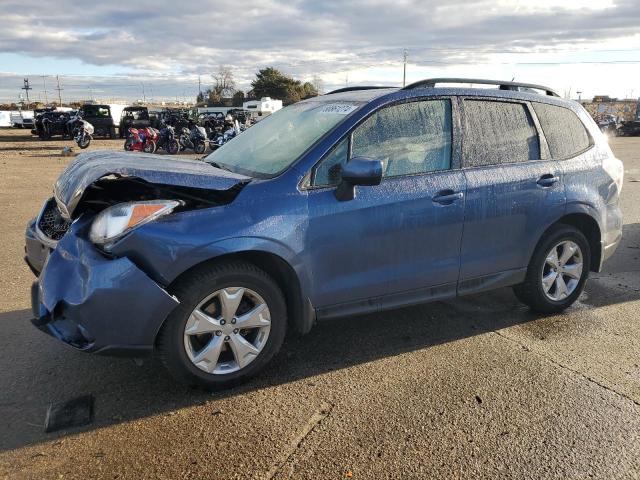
{"x":274,"y":143}
{"x":136,"y":114}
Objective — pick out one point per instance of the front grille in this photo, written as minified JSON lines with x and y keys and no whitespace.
{"x":51,"y":222}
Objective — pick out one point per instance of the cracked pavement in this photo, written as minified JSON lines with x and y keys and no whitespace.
{"x":477,"y":387}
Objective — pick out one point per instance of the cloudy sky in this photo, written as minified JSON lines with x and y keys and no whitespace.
{"x":158,"y":49}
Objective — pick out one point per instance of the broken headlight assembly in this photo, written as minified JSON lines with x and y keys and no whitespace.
{"x":117,"y":220}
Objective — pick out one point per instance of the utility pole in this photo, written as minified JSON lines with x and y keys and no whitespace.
{"x":404,"y":68}
{"x":199,"y":87}
{"x":44,"y":88}
{"x":59,"y":90}
{"x":144,"y":97}
{"x":26,"y":88}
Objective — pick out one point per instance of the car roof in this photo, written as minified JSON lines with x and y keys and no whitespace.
{"x":354,"y":95}
{"x":389,"y":94}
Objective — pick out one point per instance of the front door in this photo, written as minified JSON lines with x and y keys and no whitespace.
{"x":398,"y":241}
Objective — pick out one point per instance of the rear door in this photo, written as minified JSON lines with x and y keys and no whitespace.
{"x":398,"y":241}
{"x":514,"y":191}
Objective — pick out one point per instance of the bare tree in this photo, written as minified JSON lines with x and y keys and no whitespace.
{"x":223,"y":83}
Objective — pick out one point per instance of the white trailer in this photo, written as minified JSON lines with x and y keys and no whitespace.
{"x":5,"y":118}
{"x":22,"y":119}
{"x":263,"y":107}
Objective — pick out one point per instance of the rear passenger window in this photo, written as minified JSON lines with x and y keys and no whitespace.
{"x":498,"y":132}
{"x":566,"y":135}
{"x":409,"y":138}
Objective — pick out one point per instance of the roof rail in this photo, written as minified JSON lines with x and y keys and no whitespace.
{"x":353,"y":89}
{"x":502,"y":85}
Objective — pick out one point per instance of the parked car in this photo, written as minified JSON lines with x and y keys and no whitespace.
{"x":357,"y":201}
{"x":100,"y":117}
{"x":608,"y":124}
{"x":133,"y":117}
{"x":629,"y":128}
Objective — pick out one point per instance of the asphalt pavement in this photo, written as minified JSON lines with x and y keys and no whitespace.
{"x":477,"y":387}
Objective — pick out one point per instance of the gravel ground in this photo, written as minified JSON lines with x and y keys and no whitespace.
{"x":478,"y":387}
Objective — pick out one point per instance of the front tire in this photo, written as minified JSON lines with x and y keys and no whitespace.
{"x":173,"y":146}
{"x":558,"y":271}
{"x":84,"y":142}
{"x":203,"y":341}
{"x":150,"y":146}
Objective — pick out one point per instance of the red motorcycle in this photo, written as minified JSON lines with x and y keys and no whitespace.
{"x":142,"y":140}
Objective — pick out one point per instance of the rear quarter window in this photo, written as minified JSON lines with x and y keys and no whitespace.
{"x":566,"y":135}
{"x":498,"y":133}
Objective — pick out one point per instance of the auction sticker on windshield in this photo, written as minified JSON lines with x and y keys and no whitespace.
{"x":339,"y":108}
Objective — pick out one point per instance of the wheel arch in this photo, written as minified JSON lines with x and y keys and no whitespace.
{"x":589,"y":227}
{"x":300,"y":312}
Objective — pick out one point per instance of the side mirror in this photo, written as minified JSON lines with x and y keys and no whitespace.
{"x":358,"y":171}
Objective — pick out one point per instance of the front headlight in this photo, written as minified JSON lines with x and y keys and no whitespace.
{"x":115,"y":221}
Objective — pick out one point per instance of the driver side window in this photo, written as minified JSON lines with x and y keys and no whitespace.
{"x":328,"y":171}
{"x":409,"y":138}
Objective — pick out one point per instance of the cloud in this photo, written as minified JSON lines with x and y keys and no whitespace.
{"x":304,"y":38}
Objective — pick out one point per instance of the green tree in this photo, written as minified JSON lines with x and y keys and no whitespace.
{"x":238,"y":98}
{"x":270,"y":82}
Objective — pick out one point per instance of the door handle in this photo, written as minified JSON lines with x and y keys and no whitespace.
{"x":548,"y":180}
{"x":447,"y":197}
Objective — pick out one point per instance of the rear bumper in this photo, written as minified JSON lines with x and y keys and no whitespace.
{"x":612,"y":233}
{"x":98,"y":304}
{"x":609,"y":249}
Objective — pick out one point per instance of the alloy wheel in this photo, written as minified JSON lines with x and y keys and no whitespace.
{"x":227,"y":330}
{"x":562,"y":270}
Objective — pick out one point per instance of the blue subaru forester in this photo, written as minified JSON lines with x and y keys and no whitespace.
{"x":356,"y":201}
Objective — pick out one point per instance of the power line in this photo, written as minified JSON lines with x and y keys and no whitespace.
{"x":404,"y":68}
{"x":44,"y":88}
{"x":26,"y":88}
{"x":59,"y":90}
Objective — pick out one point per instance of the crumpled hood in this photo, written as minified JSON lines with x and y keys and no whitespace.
{"x":92,"y":166}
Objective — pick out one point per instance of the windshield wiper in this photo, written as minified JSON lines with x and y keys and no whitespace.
{"x":220,"y":166}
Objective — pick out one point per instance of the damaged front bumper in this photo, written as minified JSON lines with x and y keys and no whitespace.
{"x":95,"y":303}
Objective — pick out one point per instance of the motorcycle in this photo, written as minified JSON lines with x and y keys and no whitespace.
{"x":142,"y":140}
{"x":219,"y":139}
{"x":167,"y":140}
{"x":193,"y":139}
{"x":81,"y":131}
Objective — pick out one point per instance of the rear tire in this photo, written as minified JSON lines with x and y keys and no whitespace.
{"x":551,"y":289}
{"x":174,"y":348}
